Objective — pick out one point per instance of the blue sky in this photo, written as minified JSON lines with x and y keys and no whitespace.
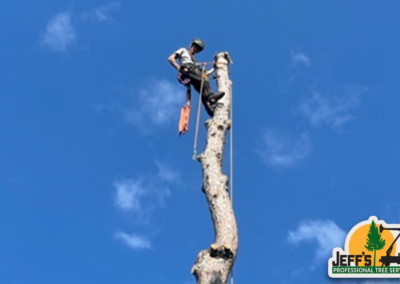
{"x":97,"y":187}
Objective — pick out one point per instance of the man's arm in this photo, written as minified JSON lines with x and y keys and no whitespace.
{"x":172,"y":60}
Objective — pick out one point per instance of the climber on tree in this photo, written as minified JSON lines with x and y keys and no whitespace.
{"x":189,"y":69}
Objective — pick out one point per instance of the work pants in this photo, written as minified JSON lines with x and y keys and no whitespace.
{"x":194,"y":73}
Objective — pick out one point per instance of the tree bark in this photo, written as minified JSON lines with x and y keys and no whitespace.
{"x":213,"y":265}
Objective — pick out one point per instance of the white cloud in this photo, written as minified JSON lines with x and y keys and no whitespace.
{"x":281,"y":151}
{"x":299,"y":57}
{"x":140,"y":196}
{"x":167,"y":173}
{"x":334,"y":111}
{"x":129,"y":193}
{"x":157,"y":104}
{"x":326,"y":233}
{"x":102,"y":13}
{"x":60,"y":33}
{"x":134,"y":241}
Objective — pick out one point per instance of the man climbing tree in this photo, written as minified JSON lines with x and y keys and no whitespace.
{"x":374,"y":241}
{"x":190,"y":69}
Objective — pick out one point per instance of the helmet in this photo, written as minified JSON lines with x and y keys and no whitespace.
{"x":199,"y":43}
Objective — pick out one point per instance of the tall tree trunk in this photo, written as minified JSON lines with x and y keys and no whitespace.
{"x":213,"y":265}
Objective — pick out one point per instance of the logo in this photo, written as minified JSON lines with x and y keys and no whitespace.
{"x":370,"y":252}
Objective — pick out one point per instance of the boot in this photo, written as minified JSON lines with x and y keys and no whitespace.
{"x":212,"y":99}
{"x":209,"y":109}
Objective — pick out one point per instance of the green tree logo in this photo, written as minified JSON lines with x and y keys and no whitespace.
{"x":374,"y":240}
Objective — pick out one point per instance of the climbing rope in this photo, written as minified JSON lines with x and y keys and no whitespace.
{"x":198,"y":113}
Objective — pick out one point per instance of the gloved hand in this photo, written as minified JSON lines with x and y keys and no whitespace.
{"x":184,"y":70}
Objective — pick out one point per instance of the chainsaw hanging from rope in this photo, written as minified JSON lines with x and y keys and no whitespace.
{"x":185,"y":111}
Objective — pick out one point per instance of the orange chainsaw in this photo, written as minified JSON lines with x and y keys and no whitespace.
{"x":185,"y":111}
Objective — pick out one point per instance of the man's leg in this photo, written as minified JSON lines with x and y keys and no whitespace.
{"x":208,"y":107}
{"x":208,"y":98}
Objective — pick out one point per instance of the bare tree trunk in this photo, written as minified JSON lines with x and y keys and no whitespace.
{"x":213,"y":265}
